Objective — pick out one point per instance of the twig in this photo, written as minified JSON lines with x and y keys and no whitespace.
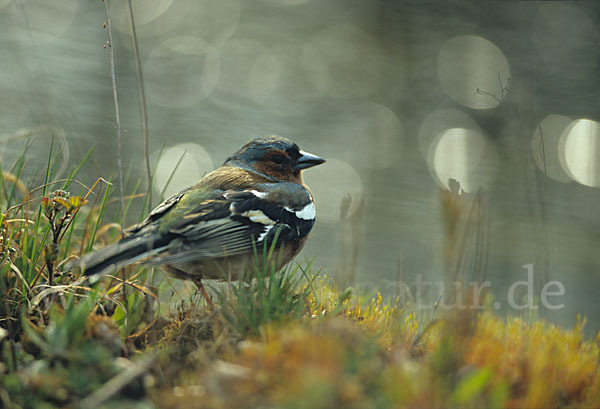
{"x":143,"y":111}
{"x":116,"y":104}
{"x":118,"y":126}
{"x":542,"y":148}
{"x":503,"y":90}
{"x":27,"y":201}
{"x":90,"y":191}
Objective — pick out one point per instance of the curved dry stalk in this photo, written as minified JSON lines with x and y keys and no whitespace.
{"x":128,"y":197}
{"x":66,"y":260}
{"x":105,"y":228}
{"x":85,"y":199}
{"x":16,"y":270}
{"x":17,"y":181}
{"x":143,"y":290}
{"x":28,"y":201}
{"x":120,"y":282}
{"x":67,"y":289}
{"x":19,"y":221}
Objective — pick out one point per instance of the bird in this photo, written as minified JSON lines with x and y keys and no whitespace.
{"x":212,"y":230}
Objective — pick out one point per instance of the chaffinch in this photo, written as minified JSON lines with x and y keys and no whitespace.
{"x":211,"y":229}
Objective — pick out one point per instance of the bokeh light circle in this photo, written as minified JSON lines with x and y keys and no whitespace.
{"x":473,"y":71}
{"x":579,"y":151}
{"x":344,"y":61}
{"x":181,"y":78}
{"x":440,"y":120}
{"x":219,"y":18}
{"x":457,"y":154}
{"x":145,"y":11}
{"x":212,"y":21}
{"x":260,"y":71}
{"x":148,"y":23}
{"x":331,"y":184}
{"x":383,"y":133}
{"x":544,"y":146}
{"x":181,"y":166}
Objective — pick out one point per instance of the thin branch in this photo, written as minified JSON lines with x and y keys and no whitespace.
{"x":117,"y":116}
{"x":143,"y":111}
{"x":542,"y":148}
{"x":503,"y":90}
{"x":118,"y":126}
{"x":46,"y":185}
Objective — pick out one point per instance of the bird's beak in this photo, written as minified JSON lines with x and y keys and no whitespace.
{"x":307,"y":160}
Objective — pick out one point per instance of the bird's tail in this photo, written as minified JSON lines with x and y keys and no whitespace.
{"x":118,"y":255}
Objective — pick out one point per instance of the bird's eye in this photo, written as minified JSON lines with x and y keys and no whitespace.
{"x":278,"y":159}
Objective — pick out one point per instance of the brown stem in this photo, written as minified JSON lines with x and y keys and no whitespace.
{"x":118,"y":126}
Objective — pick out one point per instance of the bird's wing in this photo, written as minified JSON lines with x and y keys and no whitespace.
{"x":228,"y":224}
{"x":158,"y":212}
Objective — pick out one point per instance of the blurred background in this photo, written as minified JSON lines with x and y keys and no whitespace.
{"x":497,"y":101}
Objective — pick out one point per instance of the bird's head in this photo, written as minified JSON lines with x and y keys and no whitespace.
{"x":275,"y":157}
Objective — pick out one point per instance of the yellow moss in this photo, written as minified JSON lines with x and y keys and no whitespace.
{"x":354,"y":354}
{"x":545,"y":365}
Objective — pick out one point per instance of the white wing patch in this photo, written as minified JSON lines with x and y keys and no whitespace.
{"x":306,"y":213}
{"x":258,"y":194}
{"x":257,"y":216}
{"x":264,"y":234}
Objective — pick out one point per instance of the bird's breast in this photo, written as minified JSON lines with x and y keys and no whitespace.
{"x":228,"y":268}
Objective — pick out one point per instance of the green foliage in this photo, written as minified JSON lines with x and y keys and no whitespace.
{"x":265,"y":294}
{"x":129,"y":315}
{"x":31,"y":239}
{"x":59,"y":341}
{"x":64,"y":332}
{"x":64,"y":360}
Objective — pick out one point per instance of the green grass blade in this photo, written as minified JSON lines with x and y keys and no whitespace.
{"x":160,"y":153}
{"x":162,"y":193}
{"x":76,"y":170}
{"x":67,"y":244}
{"x":17,"y":171}
{"x":36,"y":256}
{"x":130,"y":202}
{"x":48,"y":166}
{"x":100,"y":214}
{"x":3,"y":189}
